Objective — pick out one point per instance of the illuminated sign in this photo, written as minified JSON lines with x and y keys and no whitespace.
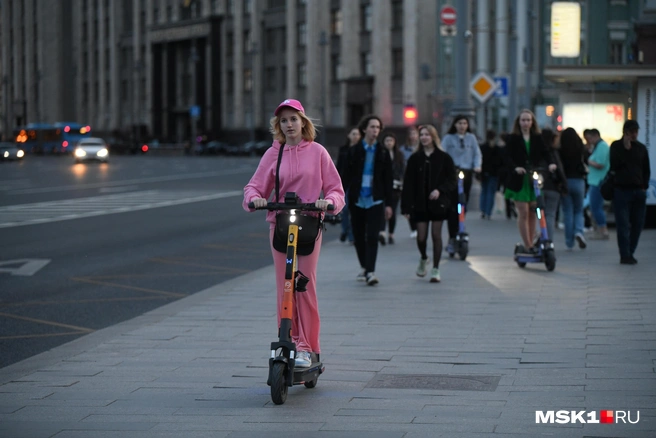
{"x":565,"y":29}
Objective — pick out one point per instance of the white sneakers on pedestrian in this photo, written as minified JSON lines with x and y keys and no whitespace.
{"x":372,"y":279}
{"x":435,"y":275}
{"x":303,"y":359}
{"x":361,"y":276}
{"x":422,"y":269}
{"x":413,"y":234}
{"x":580,"y":238}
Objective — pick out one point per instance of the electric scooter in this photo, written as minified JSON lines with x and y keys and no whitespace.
{"x":461,"y":243}
{"x":545,"y":248}
{"x":282,"y":372}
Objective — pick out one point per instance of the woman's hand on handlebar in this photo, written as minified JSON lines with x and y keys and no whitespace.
{"x":552,"y":167}
{"x":435,"y":194}
{"x":520,"y":170}
{"x":322,"y":204}
{"x":259,"y":203}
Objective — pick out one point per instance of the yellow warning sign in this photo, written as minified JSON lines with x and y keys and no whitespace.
{"x":482,"y":86}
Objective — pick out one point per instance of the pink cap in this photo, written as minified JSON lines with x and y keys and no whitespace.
{"x":291,"y":103}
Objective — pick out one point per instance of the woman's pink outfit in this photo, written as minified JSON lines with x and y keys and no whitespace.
{"x":308,"y":170}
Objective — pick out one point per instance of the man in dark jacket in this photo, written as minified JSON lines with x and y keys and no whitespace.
{"x":368,"y":180}
{"x":629,"y":163}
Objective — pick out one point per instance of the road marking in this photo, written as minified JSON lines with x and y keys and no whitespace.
{"x":125,"y":182}
{"x":27,"y":268}
{"x":54,"y":211}
{"x":142,"y":289}
{"x":43,"y":321}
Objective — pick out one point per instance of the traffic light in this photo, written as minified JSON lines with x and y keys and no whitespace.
{"x":410,"y":115}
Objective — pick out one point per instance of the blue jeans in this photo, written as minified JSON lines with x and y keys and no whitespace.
{"x":347,"y":230}
{"x":572,"y":204}
{"x":597,"y":206}
{"x":630,"y":207}
{"x":489,"y":186}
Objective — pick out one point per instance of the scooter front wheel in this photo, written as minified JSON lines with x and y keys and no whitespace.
{"x":463,"y":250}
{"x":279,"y":383}
{"x":311,"y":383}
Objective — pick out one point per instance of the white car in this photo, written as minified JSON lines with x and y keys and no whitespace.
{"x":10,"y":151}
{"x":91,"y":149}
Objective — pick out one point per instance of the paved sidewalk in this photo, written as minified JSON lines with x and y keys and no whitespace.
{"x":473,"y":356}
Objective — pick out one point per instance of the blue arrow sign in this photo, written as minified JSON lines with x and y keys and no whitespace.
{"x":502,"y":86}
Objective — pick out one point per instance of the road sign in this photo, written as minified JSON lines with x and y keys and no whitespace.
{"x":447,"y":31}
{"x":194,"y":111}
{"x":448,"y":15}
{"x":501,"y":89}
{"x":482,"y":86}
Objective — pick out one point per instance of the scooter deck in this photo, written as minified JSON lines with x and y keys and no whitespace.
{"x":302,"y":375}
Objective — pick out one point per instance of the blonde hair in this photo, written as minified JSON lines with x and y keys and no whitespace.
{"x":535,"y":129}
{"x":433,"y":133}
{"x":308,"y":132}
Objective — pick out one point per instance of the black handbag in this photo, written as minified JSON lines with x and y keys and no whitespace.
{"x":309,"y":227}
{"x":607,"y":186}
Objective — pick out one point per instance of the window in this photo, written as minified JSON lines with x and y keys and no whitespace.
{"x":276,"y":4}
{"x":366,"y":18}
{"x":397,"y":14}
{"x":214,"y":6}
{"x":283,"y":39}
{"x":248,"y":6}
{"x":231,"y":7}
{"x":108,"y":92}
{"x":108,"y":64}
{"x":155,"y":15}
{"x":169,"y":13}
{"x":271,"y":40}
{"x":616,"y":55}
{"x":336,"y":22}
{"x":335,"y":68}
{"x":302,"y":75}
{"x":230,"y":43}
{"x":302,"y":34}
{"x":366,"y":64}
{"x":230,"y":81}
{"x":397,"y":63}
{"x":247,"y":42}
{"x":248,"y":79}
{"x":270,"y":78}
{"x":124,"y":90}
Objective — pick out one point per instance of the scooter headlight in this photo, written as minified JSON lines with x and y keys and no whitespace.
{"x":461,"y":175}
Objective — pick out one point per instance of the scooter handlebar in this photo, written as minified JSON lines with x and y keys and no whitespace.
{"x":282,"y":206}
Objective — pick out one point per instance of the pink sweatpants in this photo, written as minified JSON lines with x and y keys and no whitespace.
{"x":306,"y":323}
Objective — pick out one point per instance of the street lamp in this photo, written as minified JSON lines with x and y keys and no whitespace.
{"x":253,"y":52}
{"x":323,"y":42}
{"x":194,"y":58}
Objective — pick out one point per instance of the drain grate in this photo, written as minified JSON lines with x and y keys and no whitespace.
{"x":447,"y":382}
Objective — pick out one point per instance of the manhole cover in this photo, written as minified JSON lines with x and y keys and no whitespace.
{"x":447,"y":382}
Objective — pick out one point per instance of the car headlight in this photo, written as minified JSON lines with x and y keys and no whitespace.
{"x":20,"y":153}
{"x":102,"y":153}
{"x":80,"y":152}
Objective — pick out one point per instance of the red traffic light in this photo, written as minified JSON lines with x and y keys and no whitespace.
{"x":410,"y":115}
{"x":144,"y":148}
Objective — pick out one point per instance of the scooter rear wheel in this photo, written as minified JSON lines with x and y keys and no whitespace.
{"x":463,"y":250}
{"x":521,"y":264}
{"x":550,"y":260}
{"x":311,"y":384}
{"x":279,"y":383}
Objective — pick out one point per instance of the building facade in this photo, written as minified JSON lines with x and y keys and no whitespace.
{"x":138,"y":67}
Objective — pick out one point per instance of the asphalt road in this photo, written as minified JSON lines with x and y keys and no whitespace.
{"x":85,"y":246}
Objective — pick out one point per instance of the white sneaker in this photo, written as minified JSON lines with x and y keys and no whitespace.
{"x":371,"y":279}
{"x":361,"y":276}
{"x":581,"y":240}
{"x":422,"y":268}
{"x":413,"y":234}
{"x":303,"y":359}
{"x":435,"y":276}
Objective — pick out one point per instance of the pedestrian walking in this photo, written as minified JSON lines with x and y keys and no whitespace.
{"x":302,"y":166}
{"x":352,"y":139}
{"x":428,"y":186}
{"x":409,"y":148}
{"x":572,"y":154}
{"x":463,"y":148}
{"x":554,"y":184}
{"x":598,"y":166}
{"x":629,"y":163}
{"x":398,"y":170}
{"x":368,"y":180}
{"x":491,"y":167}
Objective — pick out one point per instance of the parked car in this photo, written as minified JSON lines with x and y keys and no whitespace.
{"x":253,"y":148}
{"x":92,"y":148}
{"x":214,"y":147}
{"x":10,"y":151}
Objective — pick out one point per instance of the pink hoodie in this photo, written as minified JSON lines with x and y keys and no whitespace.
{"x":306,"y":169}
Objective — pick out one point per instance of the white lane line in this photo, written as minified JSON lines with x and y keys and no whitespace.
{"x":34,"y":215}
{"x":125,"y":182}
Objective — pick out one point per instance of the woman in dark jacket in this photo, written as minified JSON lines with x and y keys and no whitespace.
{"x":492,"y":163}
{"x":554,"y":183}
{"x":525,"y":151}
{"x":572,"y":153}
{"x":428,"y":187}
{"x":352,"y":139}
{"x":398,"y":169}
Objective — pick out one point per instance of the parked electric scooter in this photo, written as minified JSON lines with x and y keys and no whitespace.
{"x":545,"y":252}
{"x":460,"y":244}
{"x":282,"y":372}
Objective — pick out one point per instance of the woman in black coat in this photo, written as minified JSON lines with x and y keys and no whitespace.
{"x":428,"y":187}
{"x":525,"y":151}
